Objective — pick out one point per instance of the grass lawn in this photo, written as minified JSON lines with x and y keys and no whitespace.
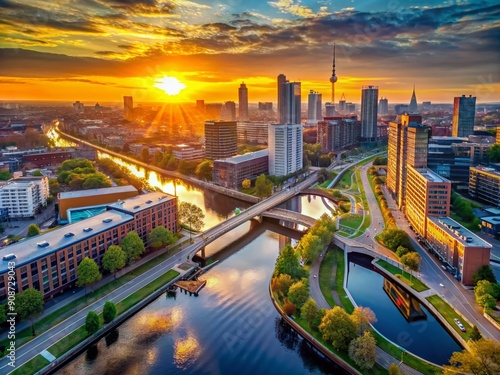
{"x":73,"y":339}
{"x":403,"y":276}
{"x":66,"y":311}
{"x":351,"y":220}
{"x":325,"y":184}
{"x":249,"y":191}
{"x":345,"y":181}
{"x":339,"y":281}
{"x":326,"y":281}
{"x":449,"y":314}
{"x":32,"y":366}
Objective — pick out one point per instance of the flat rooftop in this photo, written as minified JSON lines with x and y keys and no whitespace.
{"x":246,"y":157}
{"x":140,"y":202}
{"x":492,"y":219}
{"x":29,"y":250}
{"x":93,"y":192}
{"x":431,"y":176}
{"x":461,"y":233}
{"x":487,"y":169}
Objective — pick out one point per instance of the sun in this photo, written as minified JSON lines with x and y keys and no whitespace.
{"x":171,"y":85}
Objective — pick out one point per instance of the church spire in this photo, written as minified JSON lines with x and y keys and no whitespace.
{"x":413,"y":107}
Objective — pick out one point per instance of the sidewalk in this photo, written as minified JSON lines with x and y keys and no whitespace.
{"x":54,"y":334}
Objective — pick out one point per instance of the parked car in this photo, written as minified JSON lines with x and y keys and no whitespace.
{"x":459,"y":324}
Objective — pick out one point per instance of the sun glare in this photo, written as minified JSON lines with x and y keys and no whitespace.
{"x":171,"y":85}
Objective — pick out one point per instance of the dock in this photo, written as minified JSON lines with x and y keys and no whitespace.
{"x":191,"y":286}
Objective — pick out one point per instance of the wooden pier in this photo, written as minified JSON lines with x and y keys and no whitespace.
{"x":191,"y":286}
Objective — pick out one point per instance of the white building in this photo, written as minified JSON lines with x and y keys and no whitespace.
{"x":285,"y":149}
{"x":314,"y":107}
{"x":20,"y":198}
{"x":188,"y":152}
{"x":41,"y":187}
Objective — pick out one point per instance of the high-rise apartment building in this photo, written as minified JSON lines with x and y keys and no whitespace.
{"x":228,"y":112}
{"x":484,"y":185}
{"x":369,"y":103}
{"x":285,"y":149}
{"x":464,"y":112}
{"x":430,"y":196}
{"x":313,"y":107}
{"x":289,"y":101}
{"x":220,"y":139}
{"x":383,"y":106}
{"x":243,"y":102}
{"x":281,"y":81}
{"x":128,"y":106}
{"x":336,"y":133}
{"x":329,"y":110}
{"x":407,"y":145}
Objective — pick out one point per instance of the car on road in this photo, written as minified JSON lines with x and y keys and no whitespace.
{"x":459,"y":324}
{"x":315,"y":276}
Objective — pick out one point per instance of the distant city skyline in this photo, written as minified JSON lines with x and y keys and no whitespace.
{"x":103,"y":50}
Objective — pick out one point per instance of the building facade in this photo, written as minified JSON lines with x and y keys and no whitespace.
{"x":231,"y":172}
{"x":285,"y":149}
{"x":243,"y":102}
{"x":337,"y":133}
{"x":484,"y":185}
{"x":49,"y":262}
{"x":407,"y":145}
{"x":464,"y":112}
{"x":383,"y":106}
{"x":47,"y":158}
{"x":228,"y":112}
{"x":20,"y":199}
{"x":188,"y":151}
{"x":430,"y":196}
{"x":458,"y":247}
{"x":313,"y":107}
{"x":252,"y":132}
{"x":128,"y":107}
{"x":221,"y":139}
{"x":369,"y":103}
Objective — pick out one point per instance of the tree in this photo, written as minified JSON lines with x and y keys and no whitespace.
{"x":37,"y":173}
{"x":338,"y":328}
{"x":310,"y":247}
{"x":323,"y":175}
{"x":191,"y":215}
{"x":92,"y":322}
{"x":412,"y":260}
{"x":484,"y":287}
{"x":481,"y":359}
{"x":394,"y":369}
{"x":487,"y":301}
{"x":362,"y":317}
{"x":53,"y":186}
{"x":288,"y":263}
{"x":494,"y":153}
{"x":33,"y":230}
{"x":362,"y":351}
{"x":282,"y":283}
{"x":108,"y":311}
{"x":3,"y":314}
{"x":298,"y":293}
{"x":401,"y":250}
{"x":29,"y":304}
{"x":88,"y":273}
{"x":263,"y":187}
{"x":309,"y":311}
{"x":204,"y":170}
{"x":114,"y":259}
{"x":246,"y":184}
{"x":484,"y":273}
{"x":133,"y":246}
{"x":475,"y":334}
{"x":160,"y":237}
{"x":289,"y":308}
{"x":5,"y":175}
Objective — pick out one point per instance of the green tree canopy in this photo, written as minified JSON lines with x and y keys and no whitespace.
{"x":310,"y":247}
{"x":363,"y":351}
{"x":191,"y":215}
{"x":288,"y":263}
{"x":108,"y":311}
{"x":484,"y":273}
{"x":475,"y":334}
{"x":362,"y":317}
{"x":338,"y":328}
{"x":394,"y":237}
{"x":160,"y":237}
{"x":133,"y":246}
{"x":412,"y":260}
{"x":5,"y":175}
{"x":114,"y":259}
{"x":88,"y":273}
{"x":29,"y":304}
{"x":309,"y":311}
{"x":92,"y":322}
{"x":487,"y":301}
{"x":324,"y":174}
{"x":204,"y":170}
{"x":53,"y":186}
{"x":37,"y":173}
{"x":482,"y":359}
{"x":263,"y":187}
{"x":298,"y":293}
{"x":494,"y":153}
{"x":33,"y":230}
{"x":282,"y":283}
{"x":484,"y":287}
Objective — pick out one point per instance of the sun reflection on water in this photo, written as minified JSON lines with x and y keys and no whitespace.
{"x":186,"y":351}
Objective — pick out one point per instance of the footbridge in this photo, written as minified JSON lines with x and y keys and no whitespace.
{"x":290,"y":216}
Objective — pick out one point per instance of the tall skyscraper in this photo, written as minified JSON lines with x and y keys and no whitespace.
{"x":243,"y":102}
{"x":407,"y":145}
{"x":383,"y":106}
{"x":369,"y":103}
{"x":128,"y":106}
{"x":220,"y":139}
{"x":285,"y":148}
{"x":333,"y":78}
{"x":413,"y":107}
{"x":342,"y":104}
{"x":281,"y":81}
{"x":313,"y":106}
{"x":464,"y":112}
{"x":228,"y":111}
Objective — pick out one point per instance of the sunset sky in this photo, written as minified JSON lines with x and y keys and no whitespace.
{"x":100,"y":50}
